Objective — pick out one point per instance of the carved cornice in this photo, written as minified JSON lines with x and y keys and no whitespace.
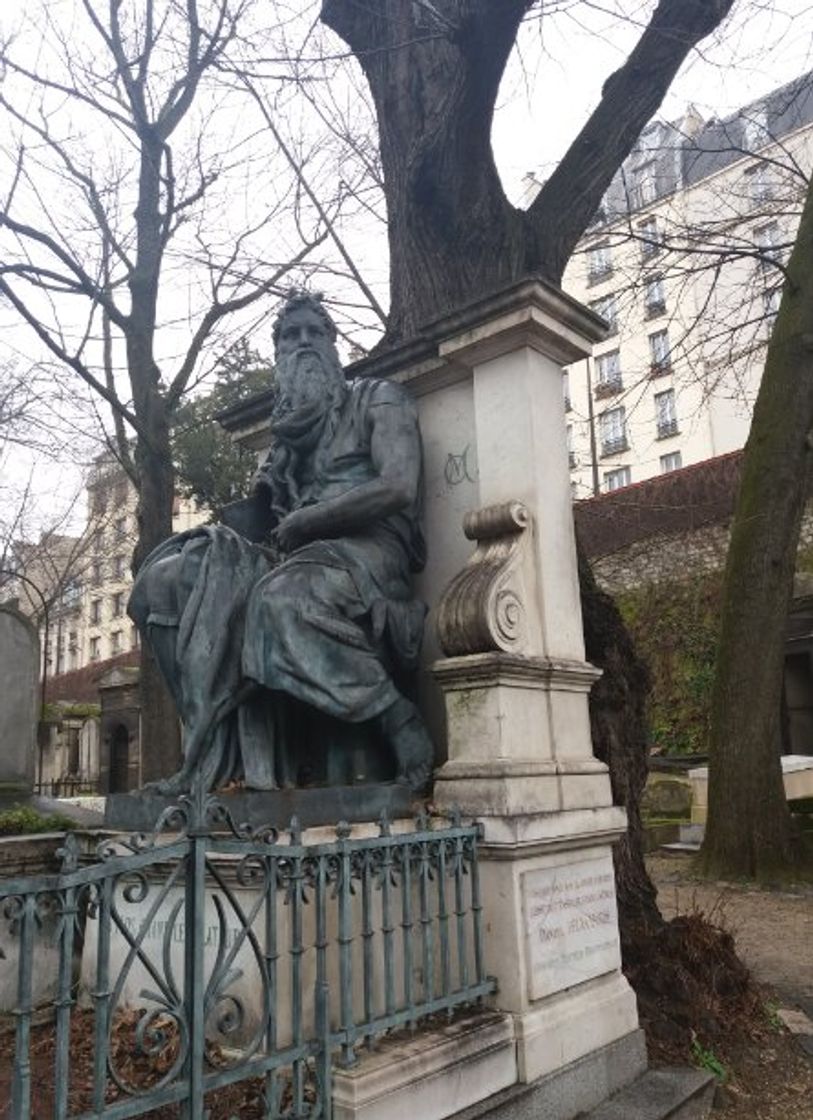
{"x":485,"y":608}
{"x":488,"y":670}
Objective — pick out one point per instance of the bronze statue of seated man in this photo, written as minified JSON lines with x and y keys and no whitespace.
{"x":318,"y":617}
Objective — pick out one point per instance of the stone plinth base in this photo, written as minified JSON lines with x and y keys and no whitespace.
{"x":139,"y":811}
{"x":573,"y":1024}
{"x":430,"y":1075}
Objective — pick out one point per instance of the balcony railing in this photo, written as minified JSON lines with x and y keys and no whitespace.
{"x":660,"y":368}
{"x":596,"y":275}
{"x":614,"y":446}
{"x":608,"y":388}
{"x":667,"y":428}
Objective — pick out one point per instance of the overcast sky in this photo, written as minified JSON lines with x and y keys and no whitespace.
{"x":555,"y":77}
{"x":552,"y":83}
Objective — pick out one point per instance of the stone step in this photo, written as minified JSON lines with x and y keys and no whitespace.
{"x":660,"y":1094}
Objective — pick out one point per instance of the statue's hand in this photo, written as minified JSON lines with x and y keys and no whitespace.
{"x":296,"y":529}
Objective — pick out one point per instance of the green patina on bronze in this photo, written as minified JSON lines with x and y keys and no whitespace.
{"x":294,"y":621}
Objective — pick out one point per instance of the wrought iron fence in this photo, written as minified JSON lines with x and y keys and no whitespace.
{"x":208,"y":956}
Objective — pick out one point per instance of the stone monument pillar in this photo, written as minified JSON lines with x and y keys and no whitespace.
{"x":514,"y":680}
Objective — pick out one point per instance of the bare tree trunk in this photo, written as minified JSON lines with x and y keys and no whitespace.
{"x":434,"y":72}
{"x":160,"y":735}
{"x":619,"y":729}
{"x":454,"y":236}
{"x":745,"y":777}
{"x":160,"y":730}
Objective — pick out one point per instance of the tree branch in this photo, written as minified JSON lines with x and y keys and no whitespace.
{"x":218,"y":310}
{"x":306,"y":187}
{"x":563,"y":208}
{"x":70,"y":359}
{"x":86,"y":283}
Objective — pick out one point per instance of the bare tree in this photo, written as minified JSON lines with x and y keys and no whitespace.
{"x":122,"y":251}
{"x":434,"y":71}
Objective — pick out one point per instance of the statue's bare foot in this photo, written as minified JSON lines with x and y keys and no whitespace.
{"x":414,"y":751}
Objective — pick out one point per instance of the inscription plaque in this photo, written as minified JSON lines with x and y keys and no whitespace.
{"x":571,"y":924}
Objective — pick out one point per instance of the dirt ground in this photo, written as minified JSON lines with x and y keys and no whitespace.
{"x":770,"y":1078}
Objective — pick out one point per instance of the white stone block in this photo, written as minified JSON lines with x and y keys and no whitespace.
{"x":432,"y":1075}
{"x":573,"y":1023}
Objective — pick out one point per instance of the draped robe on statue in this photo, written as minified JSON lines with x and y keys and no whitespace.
{"x":329,"y":625}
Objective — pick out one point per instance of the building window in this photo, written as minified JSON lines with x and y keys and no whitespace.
{"x":120,"y":527}
{"x":607,"y":308}
{"x":120,"y":491}
{"x":660,"y":354}
{"x":599,"y":262}
{"x":118,"y":604}
{"x":613,"y":429}
{"x":759,"y":182}
{"x":766,"y":240}
{"x":614,"y":480}
{"x":118,"y":567}
{"x":96,"y":573}
{"x":755,"y":133}
{"x":94,"y":648}
{"x":671,"y":462}
{"x":571,"y":454}
{"x":654,"y":296}
{"x":115,"y":642}
{"x":98,"y":501}
{"x":771,"y":298}
{"x":95,"y":612}
{"x":666,"y":414}
{"x":133,"y":637}
{"x":643,"y":189}
{"x":72,"y":595}
{"x":608,"y":373}
{"x":566,"y":391}
{"x":651,"y":238}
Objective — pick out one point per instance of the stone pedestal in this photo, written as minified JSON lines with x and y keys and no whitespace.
{"x":514,"y":682}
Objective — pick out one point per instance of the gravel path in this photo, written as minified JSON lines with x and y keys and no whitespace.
{"x":771,"y":1079}
{"x":773,"y":929}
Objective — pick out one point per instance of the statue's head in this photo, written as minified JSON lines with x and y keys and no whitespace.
{"x":300,"y":308}
{"x":307,"y":362}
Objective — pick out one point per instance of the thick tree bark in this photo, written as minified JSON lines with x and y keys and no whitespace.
{"x":434,"y":72}
{"x":160,"y":735}
{"x":745,"y":777}
{"x":619,"y":728}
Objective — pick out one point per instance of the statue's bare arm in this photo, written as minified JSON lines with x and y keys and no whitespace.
{"x":395,"y":451}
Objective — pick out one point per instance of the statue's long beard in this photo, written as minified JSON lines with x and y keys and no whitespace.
{"x":303,"y":421}
{"x":307,"y":381}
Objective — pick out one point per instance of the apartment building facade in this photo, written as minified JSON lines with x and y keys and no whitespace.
{"x":77,"y":587}
{"x":684,"y":261}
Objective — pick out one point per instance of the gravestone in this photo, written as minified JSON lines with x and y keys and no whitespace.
{"x":19,"y":672}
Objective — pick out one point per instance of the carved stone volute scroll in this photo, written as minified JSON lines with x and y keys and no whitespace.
{"x":485,"y":607}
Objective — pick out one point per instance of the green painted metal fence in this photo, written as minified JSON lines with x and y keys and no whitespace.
{"x":209,"y":955}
